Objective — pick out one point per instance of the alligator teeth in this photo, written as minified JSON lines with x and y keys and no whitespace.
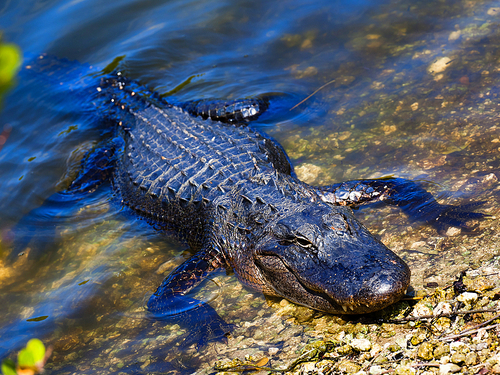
{"x":345,"y":308}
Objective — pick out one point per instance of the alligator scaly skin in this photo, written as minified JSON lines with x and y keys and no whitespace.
{"x":230,"y":192}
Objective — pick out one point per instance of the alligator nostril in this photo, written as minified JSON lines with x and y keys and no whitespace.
{"x":384,"y":286}
{"x":388,"y":287}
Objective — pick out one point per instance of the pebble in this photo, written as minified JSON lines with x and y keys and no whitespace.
{"x":425,"y":351}
{"x":454,"y":35}
{"x":493,"y":11}
{"x":393,"y":347}
{"x":458,"y":358}
{"x":442,"y":308}
{"x":404,"y":370}
{"x":439,"y":65}
{"x":376,"y":370}
{"x":452,"y":231}
{"x":449,"y":368}
{"x":361,"y":345}
{"x":422,"y":308}
{"x":481,"y":346}
{"x":349,"y":367}
{"x":308,"y":172}
{"x":467,"y":297}
{"x":273,"y":351}
{"x":471,"y":359}
{"x":457,"y":346}
{"x":441,"y":350}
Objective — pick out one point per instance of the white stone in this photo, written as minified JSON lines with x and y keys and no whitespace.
{"x":495,"y":360}
{"x":375,"y":370}
{"x":405,"y":369}
{"x":452,"y":231}
{"x":468,"y":297}
{"x":362,"y":345}
{"x":449,"y":368}
{"x":444,"y":359}
{"x":439,"y":65}
{"x":481,"y":345}
{"x":493,"y":11}
{"x":273,"y":351}
{"x":457,"y":346}
{"x":308,"y":172}
{"x":454,"y":35}
{"x":482,"y":334}
{"x":422,"y":308}
{"x":442,"y":308}
{"x":375,"y":350}
{"x":309,"y":368}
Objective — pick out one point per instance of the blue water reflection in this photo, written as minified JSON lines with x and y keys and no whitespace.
{"x":234,"y":49}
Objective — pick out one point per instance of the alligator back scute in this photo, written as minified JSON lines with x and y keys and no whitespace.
{"x":172,"y":160}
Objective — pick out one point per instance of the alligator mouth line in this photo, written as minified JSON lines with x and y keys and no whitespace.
{"x":349,"y":308}
{"x":349,"y":305}
{"x":336,"y":307}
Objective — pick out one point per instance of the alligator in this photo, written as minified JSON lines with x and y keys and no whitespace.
{"x":202,"y":171}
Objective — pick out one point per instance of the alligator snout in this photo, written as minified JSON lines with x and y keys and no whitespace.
{"x":375,"y":292}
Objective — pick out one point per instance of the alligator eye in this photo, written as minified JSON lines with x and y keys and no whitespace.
{"x":303,"y":242}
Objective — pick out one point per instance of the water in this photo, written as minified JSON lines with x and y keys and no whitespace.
{"x":386,"y":109}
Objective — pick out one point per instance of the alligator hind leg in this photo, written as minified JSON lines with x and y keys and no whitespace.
{"x":96,"y":168}
{"x":171,"y":302}
{"x":415,"y":201}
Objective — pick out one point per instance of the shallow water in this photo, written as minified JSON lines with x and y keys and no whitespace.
{"x":412,"y":90}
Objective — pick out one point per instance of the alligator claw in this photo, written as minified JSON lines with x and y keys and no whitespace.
{"x":205,"y":329}
{"x":202,"y":323}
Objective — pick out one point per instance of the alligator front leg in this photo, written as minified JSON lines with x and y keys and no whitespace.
{"x":415,"y":201}
{"x":171,"y":302}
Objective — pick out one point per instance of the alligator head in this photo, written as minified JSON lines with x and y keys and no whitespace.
{"x":322,"y":257}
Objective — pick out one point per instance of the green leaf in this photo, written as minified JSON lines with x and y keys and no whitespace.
{"x":8,"y":367}
{"x":25,"y":358}
{"x":37,"y":349}
{"x":10,"y":59}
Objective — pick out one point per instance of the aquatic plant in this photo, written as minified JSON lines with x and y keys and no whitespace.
{"x":30,"y":360}
{"x":10,"y":60}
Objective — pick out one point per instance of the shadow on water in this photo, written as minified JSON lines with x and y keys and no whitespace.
{"x":386,"y":111}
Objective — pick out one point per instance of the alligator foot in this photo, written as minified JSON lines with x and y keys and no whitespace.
{"x":201,"y":322}
{"x":204,"y":326}
{"x":442,"y":216}
{"x":415,"y":201}
{"x":171,"y":303}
